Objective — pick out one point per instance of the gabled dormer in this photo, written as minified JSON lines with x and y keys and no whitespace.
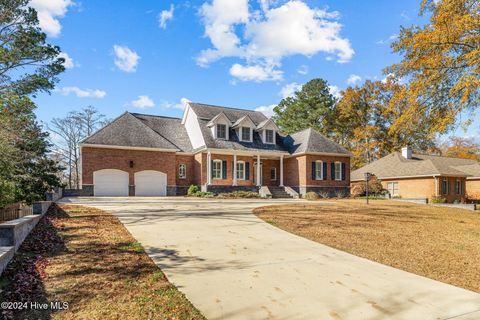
{"x":268,"y":131}
{"x":244,"y":128}
{"x":220,"y":126}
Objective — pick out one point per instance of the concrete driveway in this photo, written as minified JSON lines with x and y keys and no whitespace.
{"x":232,"y":265}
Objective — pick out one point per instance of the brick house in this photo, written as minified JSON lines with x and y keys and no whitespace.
{"x":220,"y":149}
{"x":411,"y":175}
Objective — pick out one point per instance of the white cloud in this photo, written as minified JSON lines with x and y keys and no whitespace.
{"x":68,"y":64}
{"x":256,"y":73}
{"x":303,"y":69}
{"x":83,"y":93}
{"x":48,"y":12}
{"x":181,"y":105}
{"x":165,"y":16}
{"x":266,"y":110}
{"x":353,"y":79}
{"x":125,"y":58}
{"x":143,"y":102}
{"x":392,"y":38}
{"x":290,"y":89}
{"x":272,"y":34}
{"x":335,"y":91}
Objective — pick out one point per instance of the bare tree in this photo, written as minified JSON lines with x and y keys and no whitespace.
{"x":68,"y":132}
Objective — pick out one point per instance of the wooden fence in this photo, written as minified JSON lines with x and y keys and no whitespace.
{"x":15,"y":211}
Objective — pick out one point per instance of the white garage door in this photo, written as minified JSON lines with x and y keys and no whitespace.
{"x":110,"y":183}
{"x":150,"y":183}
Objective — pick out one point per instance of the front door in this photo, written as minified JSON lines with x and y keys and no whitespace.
{"x":255,"y":173}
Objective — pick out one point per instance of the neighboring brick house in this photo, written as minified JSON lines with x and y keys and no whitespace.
{"x":220,"y":149}
{"x":411,"y":175}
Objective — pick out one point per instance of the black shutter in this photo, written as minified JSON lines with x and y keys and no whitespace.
{"x":247,"y":170}
{"x":224,"y":169}
{"x":324,"y":171}
{"x":343,"y":170}
{"x":332,"y":172}
{"x":211,"y":169}
{"x":314,"y":169}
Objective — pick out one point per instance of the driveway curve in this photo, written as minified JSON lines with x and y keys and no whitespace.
{"x":232,"y":265}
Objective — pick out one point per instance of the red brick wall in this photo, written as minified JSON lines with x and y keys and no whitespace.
{"x":268,"y":164}
{"x":189,"y":161}
{"x":94,"y":159}
{"x":298,"y":171}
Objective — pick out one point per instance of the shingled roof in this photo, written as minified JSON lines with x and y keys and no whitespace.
{"x":144,"y":131}
{"x":310,"y":140}
{"x":208,"y":112}
{"x":395,"y":165}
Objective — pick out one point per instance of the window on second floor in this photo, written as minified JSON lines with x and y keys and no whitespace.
{"x":269,"y":136}
{"x":245,"y":134}
{"x":221,"y":131}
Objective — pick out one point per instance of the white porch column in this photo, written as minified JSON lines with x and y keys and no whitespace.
{"x":209,"y":168}
{"x":234,"y":169}
{"x":258,"y":171}
{"x":281,"y":171}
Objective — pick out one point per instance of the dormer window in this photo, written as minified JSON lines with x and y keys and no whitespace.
{"x":245,"y":134}
{"x":269,"y":136}
{"x":221,"y":131}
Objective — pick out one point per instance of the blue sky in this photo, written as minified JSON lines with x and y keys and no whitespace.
{"x":146,"y":56}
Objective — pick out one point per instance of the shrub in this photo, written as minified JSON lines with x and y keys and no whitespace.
{"x":239,"y":194}
{"x":192,"y":190}
{"x":324,"y":195}
{"x":358,"y":189}
{"x":203,"y":194}
{"x":311,"y":195}
{"x":340,"y":194}
{"x":438,"y":199}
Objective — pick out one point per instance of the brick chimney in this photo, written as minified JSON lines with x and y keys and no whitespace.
{"x":407,"y":152}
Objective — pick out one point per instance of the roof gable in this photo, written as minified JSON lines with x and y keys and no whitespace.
{"x":244,"y":121}
{"x":268,"y":124}
{"x":219,"y":117}
{"x":310,"y":140}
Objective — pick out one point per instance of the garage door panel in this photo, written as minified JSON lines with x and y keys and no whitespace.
{"x":150,"y":183}
{"x":110,"y":183}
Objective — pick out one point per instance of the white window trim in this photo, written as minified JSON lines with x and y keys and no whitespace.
{"x":340,"y":171}
{"x":275,"y":170}
{"x":241,"y":134}
{"x":265,"y":136}
{"x":226,"y":131}
{"x":221,"y":169}
{"x":184,"y":176}
{"x":319,"y":164}
{"x":238,"y":171}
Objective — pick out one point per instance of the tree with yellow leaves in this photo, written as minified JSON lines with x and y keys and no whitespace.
{"x":459,"y":147}
{"x":441,"y":64}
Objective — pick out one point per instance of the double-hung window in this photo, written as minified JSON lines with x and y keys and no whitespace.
{"x":392,"y":188}
{"x":240,"y":170}
{"x":273,"y":174}
{"x":458,"y":186}
{"x":245,"y":133}
{"x":182,"y":171}
{"x":319,"y":170}
{"x":217,"y":169}
{"x":221,"y":131}
{"x":338,"y":171}
{"x":444,"y":186}
{"x":269,"y":136}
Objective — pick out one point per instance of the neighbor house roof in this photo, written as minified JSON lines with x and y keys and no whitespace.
{"x":144,"y":131}
{"x":395,"y":165}
{"x":310,"y":140}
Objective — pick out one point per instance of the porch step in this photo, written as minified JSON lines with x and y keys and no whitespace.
{"x":279,"y":193}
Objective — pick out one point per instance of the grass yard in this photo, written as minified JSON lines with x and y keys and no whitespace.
{"x":85,"y":257}
{"x":438,"y":243}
